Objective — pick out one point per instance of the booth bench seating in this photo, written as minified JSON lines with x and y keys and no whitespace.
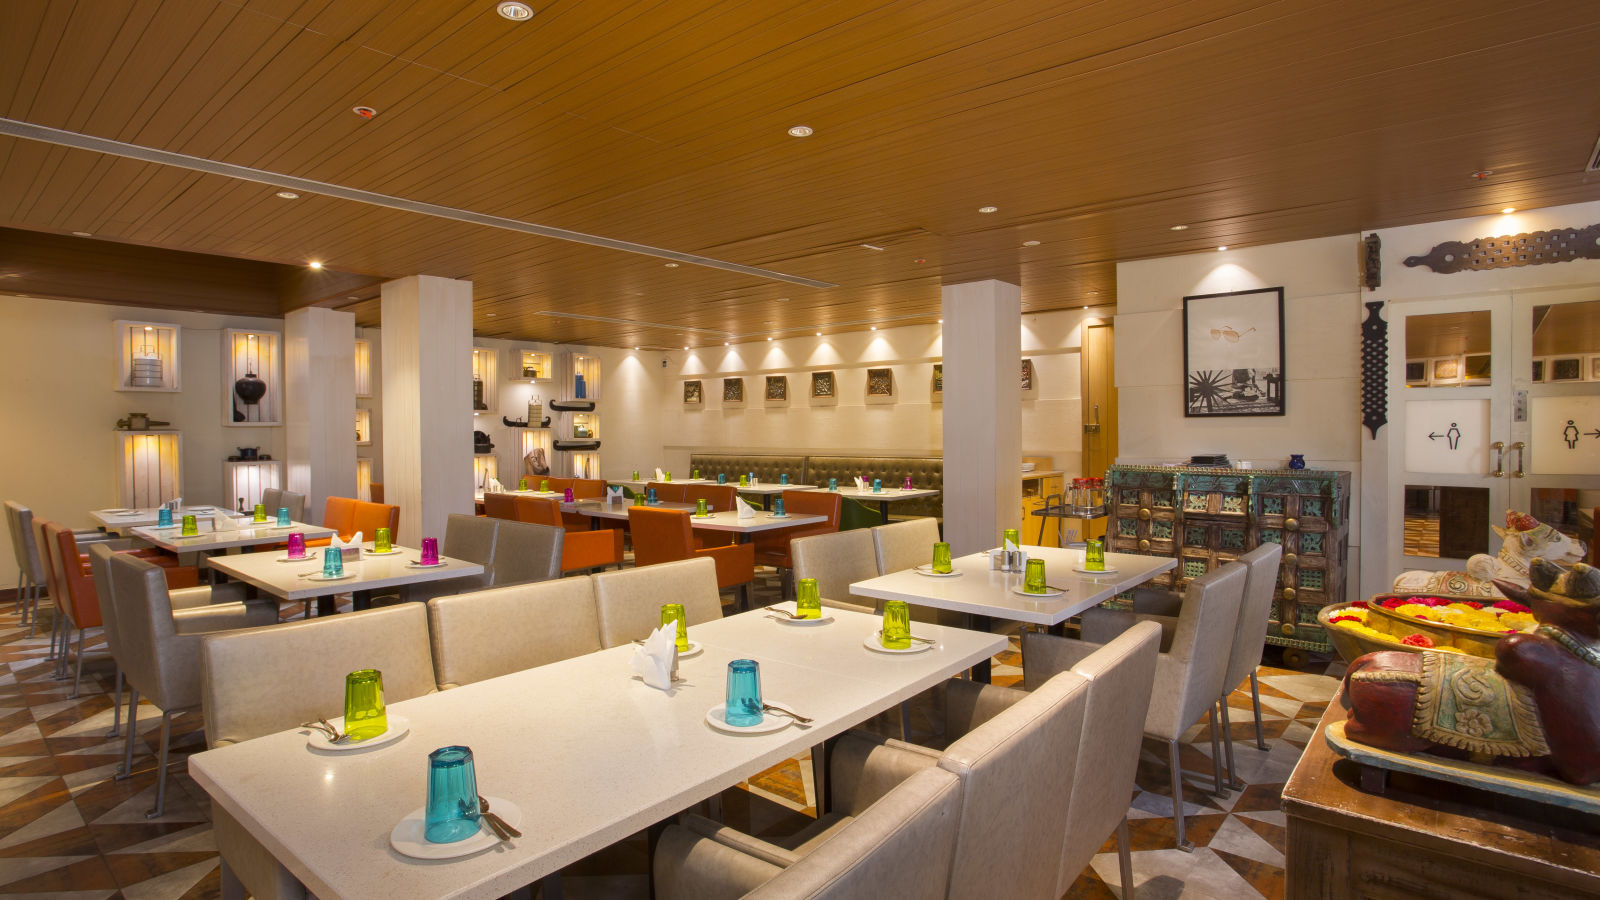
{"x":925,"y":472}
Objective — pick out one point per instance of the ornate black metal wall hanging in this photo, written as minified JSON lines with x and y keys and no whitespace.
{"x":1533,"y":249}
{"x":1374,"y":369}
{"x":1371,"y":266}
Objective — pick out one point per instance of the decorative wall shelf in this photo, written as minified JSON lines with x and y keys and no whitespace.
{"x":570,"y":446}
{"x":571,"y":405}
{"x":363,"y":479}
{"x":485,"y":389}
{"x":252,"y":375}
{"x":151,"y":472}
{"x":575,"y":455}
{"x":484,"y":467}
{"x":586,"y":464}
{"x":363,"y":367}
{"x":245,"y":480}
{"x":589,"y":368}
{"x":147,"y":356}
{"x":363,"y":427}
{"x":540,"y":365}
{"x":537,"y":447}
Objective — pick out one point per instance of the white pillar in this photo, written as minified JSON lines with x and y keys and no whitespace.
{"x":320,"y":415}
{"x":982,"y":343}
{"x":427,"y":402}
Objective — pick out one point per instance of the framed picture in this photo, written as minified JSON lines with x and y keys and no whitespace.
{"x":822,"y":384}
{"x":1027,"y":374}
{"x":777,"y":387}
{"x":1475,"y":368}
{"x":1446,"y":370}
{"x":733,"y":390}
{"x":1541,"y":367}
{"x":692,"y":394}
{"x":938,"y":379}
{"x":1233,"y":354}
{"x":1566,"y":368}
{"x":1416,"y":373}
{"x":880,"y":382}
{"x":1592,"y":372}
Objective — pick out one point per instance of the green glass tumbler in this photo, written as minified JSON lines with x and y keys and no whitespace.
{"x":666,"y":476}
{"x":364,"y":715}
{"x":382,"y":542}
{"x":941,"y":558}
{"x":332,"y":562}
{"x":896,"y":633}
{"x":1094,"y":555}
{"x":522,"y":483}
{"x":695,"y":474}
{"x":190,"y":526}
{"x":1010,"y":536}
{"x":1033,"y":577}
{"x":674,"y":612}
{"x":807,"y":599}
{"x":260,"y":513}
{"x":744,"y":481}
{"x":701,"y":508}
{"x":544,"y":486}
{"x":452,"y":811}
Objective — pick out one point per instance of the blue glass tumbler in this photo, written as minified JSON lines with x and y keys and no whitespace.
{"x":332,"y":562}
{"x":164,"y":517}
{"x":722,"y":478}
{"x":833,"y":484}
{"x":742,"y":708}
{"x":877,"y":485}
{"x":452,"y":811}
{"x":650,"y":495}
{"x":783,"y":478}
{"x":283,"y":517}
{"x":777,"y":507}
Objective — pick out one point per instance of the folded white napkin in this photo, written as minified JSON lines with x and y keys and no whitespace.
{"x":614,"y":493}
{"x":495,"y":487}
{"x":745,"y":510}
{"x":657,"y":659}
{"x":1010,"y":546}
{"x":224,"y":522}
{"x":861,"y":483}
{"x":660,"y":475}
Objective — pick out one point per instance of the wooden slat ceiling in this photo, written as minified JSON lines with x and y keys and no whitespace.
{"x":1093,"y":125}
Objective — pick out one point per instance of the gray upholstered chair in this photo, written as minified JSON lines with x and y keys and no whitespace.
{"x":629,"y":600}
{"x":1120,"y":676}
{"x":470,"y":538}
{"x":275,"y":499}
{"x":158,"y":659}
{"x":244,"y":697}
{"x":30,"y":568}
{"x":903,"y":545}
{"x":1260,"y":584}
{"x":1190,"y":669}
{"x":837,"y":561}
{"x":898,"y":846}
{"x":525,"y":552}
{"x":485,"y":634}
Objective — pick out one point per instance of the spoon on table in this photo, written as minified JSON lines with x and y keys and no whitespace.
{"x":783,"y":612}
{"x":500,"y":826}
{"x":803,"y":720}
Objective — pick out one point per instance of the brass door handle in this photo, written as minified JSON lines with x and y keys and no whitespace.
{"x":1519,"y":473}
{"x":1499,"y":448}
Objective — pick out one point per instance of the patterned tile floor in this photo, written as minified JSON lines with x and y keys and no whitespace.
{"x":68,"y":830}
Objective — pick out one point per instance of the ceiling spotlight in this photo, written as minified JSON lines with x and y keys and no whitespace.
{"x":1030,"y":243}
{"x":289,"y":195}
{"x":727,"y":343}
{"x":988,"y":209}
{"x":491,"y":315}
{"x":686,"y":348}
{"x":874,"y":328}
{"x":672,"y":265}
{"x":1222,"y":248}
{"x":516,"y":12}
{"x":314,"y":264}
{"x":769,"y":337}
{"x":83,"y":234}
{"x":871,"y":247}
{"x":636,"y":348}
{"x":365,"y":112}
{"x":1504,"y":212}
{"x":1086,"y":307}
{"x":1481,"y":174}
{"x":1179,"y":228}
{"x":801,"y":131}
{"x":941,"y":321}
{"x":1093,"y":293}
{"x":819,"y":334}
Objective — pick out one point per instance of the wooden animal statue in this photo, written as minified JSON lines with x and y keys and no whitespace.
{"x":1536,"y":706}
{"x":1523,"y":538}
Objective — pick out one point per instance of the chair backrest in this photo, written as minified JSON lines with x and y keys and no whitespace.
{"x":367,"y":518}
{"x":556,"y":484}
{"x":1121,"y":675}
{"x":30,"y":560}
{"x":52,"y":563}
{"x":18,"y":548}
{"x":629,"y":601}
{"x":1189,"y":677}
{"x":1260,"y":583}
{"x":720,"y":497}
{"x":901,"y":846}
{"x":375,"y":491}
{"x":152,"y":661}
{"x":275,"y":499}
{"x":905,"y":544}
{"x":659,"y":535}
{"x":1016,"y":783}
{"x":490,"y":633}
{"x":588,"y":488}
{"x":81,"y":603}
{"x":497,"y":505}
{"x":668,"y":491}
{"x":538,"y":510}
{"x":836,"y":561}
{"x":471,"y":538}
{"x":100,"y":556}
{"x":339,"y":513}
{"x":525,"y":553}
{"x":245,"y":671}
{"x":815,"y":503}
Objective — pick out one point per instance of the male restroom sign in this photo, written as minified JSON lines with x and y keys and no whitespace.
{"x":1447,"y":436}
{"x":1565,"y":435}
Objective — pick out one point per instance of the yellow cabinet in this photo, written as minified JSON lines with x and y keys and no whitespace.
{"x":1036,"y":486}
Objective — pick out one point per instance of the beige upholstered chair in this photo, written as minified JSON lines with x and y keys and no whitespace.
{"x":1120,"y":676}
{"x":525,"y":552}
{"x":471,"y":538}
{"x":160,"y":653}
{"x":275,"y":499}
{"x":31,"y":577}
{"x":629,"y":600}
{"x":837,"y":561}
{"x":903,"y":545}
{"x":1190,"y":669}
{"x":898,"y":846}
{"x":246,"y":673}
{"x":485,"y":634}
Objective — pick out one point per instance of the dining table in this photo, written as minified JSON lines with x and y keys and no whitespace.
{"x":581,"y":750}
{"x":724,"y":521}
{"x":123,"y":520}
{"x":883,"y":498}
{"x":638,"y":485}
{"x":769,"y":489}
{"x":300,"y":580}
{"x":210,"y":540}
{"x":976,"y":587}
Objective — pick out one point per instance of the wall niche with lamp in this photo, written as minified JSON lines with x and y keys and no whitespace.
{"x":253,"y":368}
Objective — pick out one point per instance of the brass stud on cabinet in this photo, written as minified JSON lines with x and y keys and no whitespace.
{"x":1288,"y":628}
{"x":1291,"y":524}
{"x":1144,"y":514}
{"x":1288,"y":593}
{"x":1290,"y":559}
{"x":1144,"y":544}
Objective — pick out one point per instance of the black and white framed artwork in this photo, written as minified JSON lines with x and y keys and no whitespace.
{"x":1233,"y":354}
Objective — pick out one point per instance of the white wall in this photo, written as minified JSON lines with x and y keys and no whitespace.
{"x":59,"y":406}
{"x":1322,"y":360}
{"x":909,"y":425}
{"x":373,"y":404}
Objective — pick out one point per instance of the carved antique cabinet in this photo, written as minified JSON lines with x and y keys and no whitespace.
{"x":1205,"y":517}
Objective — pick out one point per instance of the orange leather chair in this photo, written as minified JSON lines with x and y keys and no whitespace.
{"x":772,"y":547}
{"x":588,"y":488}
{"x":375,"y":491}
{"x":663,"y":535}
{"x":720,"y":497}
{"x":579,"y":549}
{"x":500,"y":506}
{"x":667,"y":491}
{"x":347,"y":516}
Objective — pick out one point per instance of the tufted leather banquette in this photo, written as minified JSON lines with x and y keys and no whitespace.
{"x":925,"y":472}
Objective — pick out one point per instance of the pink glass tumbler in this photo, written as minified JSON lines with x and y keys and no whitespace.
{"x":297,"y":545}
{"x":907,"y":486}
{"x":567,"y":497}
{"x":430,"y":552}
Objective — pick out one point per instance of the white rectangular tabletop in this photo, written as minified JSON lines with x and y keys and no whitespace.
{"x":887,"y":495}
{"x":209,"y":539}
{"x":639,"y":484}
{"x":288,"y":581}
{"x":726,"y":520}
{"x":587,"y":751}
{"x":549,"y":495}
{"x":985,"y":591}
{"x":120,"y":521}
{"x":772,"y":487}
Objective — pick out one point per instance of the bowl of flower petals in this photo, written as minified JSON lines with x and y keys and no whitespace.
{"x":1418,"y":622}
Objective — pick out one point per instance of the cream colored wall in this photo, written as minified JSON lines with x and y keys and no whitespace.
{"x":59,"y":406}
{"x":1322,"y":360}
{"x":373,"y":404}
{"x":910,"y":424}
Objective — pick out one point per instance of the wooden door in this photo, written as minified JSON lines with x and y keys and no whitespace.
{"x":1099,"y":391}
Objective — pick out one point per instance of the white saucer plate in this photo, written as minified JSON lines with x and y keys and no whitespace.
{"x":873,"y":642}
{"x":1044,"y":596}
{"x":418,"y":565}
{"x":395,"y":552}
{"x":407,"y":839}
{"x":770,"y":722}
{"x":927,"y":569}
{"x":802,"y":623}
{"x":318,"y":576}
{"x":1108,"y":570}
{"x":304,"y":559}
{"x":398,"y":726}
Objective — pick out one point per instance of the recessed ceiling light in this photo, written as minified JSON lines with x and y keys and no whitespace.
{"x":516,"y":12}
{"x":1030,"y":243}
{"x":874,"y":328}
{"x":289,"y":195}
{"x":769,"y":337}
{"x":83,"y":234}
{"x":686,"y":348}
{"x":1504,"y":212}
{"x":365,"y":112}
{"x":314,"y":264}
{"x":801,"y":131}
{"x":672,"y":265}
{"x":819,"y":334}
{"x":1222,"y":248}
{"x":727,"y":343}
{"x":1093,"y":293}
{"x":636,"y":348}
{"x":871,"y":247}
{"x":491,"y":315}
{"x":1086,"y":307}
{"x":941,"y":321}
{"x":352,"y":297}
{"x":1481,"y":174}
{"x":1179,"y":228}
{"x":988,"y":209}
